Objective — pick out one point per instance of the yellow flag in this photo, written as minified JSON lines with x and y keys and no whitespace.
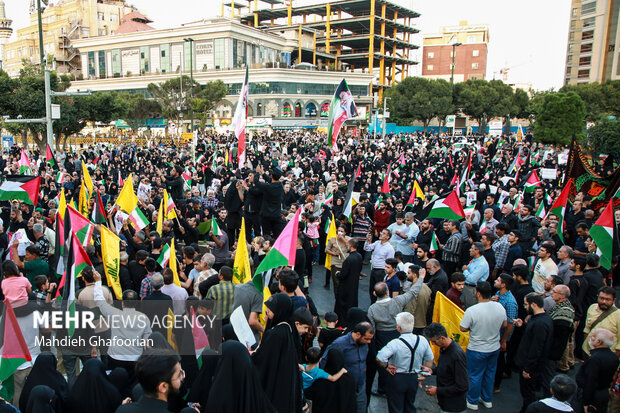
{"x":418,"y":191}
{"x":241,"y":268}
{"x":110,"y":254}
{"x":127,"y":199}
{"x":172,"y":264}
{"x":83,"y":201}
{"x":62,"y":204}
{"x":449,"y":315}
{"x":160,"y":215}
{"x":266,"y":294}
{"x":169,"y":326}
{"x":86,"y":179}
{"x":331,"y":233}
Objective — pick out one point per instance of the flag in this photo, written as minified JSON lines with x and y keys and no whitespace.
{"x":22,"y":188}
{"x":200,"y":159}
{"x":83,"y":203}
{"x":349,"y":202}
{"x":416,"y":192}
{"x":161,"y":216}
{"x":331,"y":233}
{"x":447,"y":208}
{"x":533,"y":182}
{"x":215,"y":228}
{"x":77,"y":260}
{"x":434,"y":243}
{"x":170,"y":212}
{"x":80,"y":225}
{"x":13,"y":348}
{"x":455,"y":180}
{"x":241,"y":268}
{"x":240,"y":119}
{"x":518,"y":202}
{"x":50,"y":158}
{"x":559,"y":208}
{"x":164,"y":256}
{"x":201,"y":341}
{"x":466,"y":171}
{"x":519,"y":133}
{"x":378,"y":201}
{"x":602,"y":233}
{"x":169,"y":331}
{"x":59,"y":242}
{"x":110,"y":256}
{"x":120,"y":182}
{"x":25,"y":168}
{"x":385,"y":189}
{"x":483,"y":226}
{"x":282,"y":253}
{"x":341,"y":108}
{"x":87,"y":180}
{"x":172,"y":264}
{"x":127,"y":199}
{"x":98,"y":215}
{"x":541,"y":213}
{"x":60,"y":177}
{"x":449,"y":315}
{"x":401,"y":159}
{"x":138,"y":219}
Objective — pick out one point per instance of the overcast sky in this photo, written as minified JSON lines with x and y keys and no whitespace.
{"x":529,"y":36}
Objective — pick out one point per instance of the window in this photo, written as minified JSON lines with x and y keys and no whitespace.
{"x":430,"y":55}
{"x":583,"y":74}
{"x":588,"y":8}
{"x":474,"y":65}
{"x":472,"y":39}
{"x":573,"y":24}
{"x":452,"y":54}
{"x":452,"y":66}
{"x":589,"y":22}
{"x":429,"y":67}
{"x":475,"y":53}
{"x":113,"y":18}
{"x":100,"y":16}
{"x":575,"y":11}
{"x":585,"y":61}
{"x":570,"y":48}
{"x":587,"y":35}
{"x":586,"y":48}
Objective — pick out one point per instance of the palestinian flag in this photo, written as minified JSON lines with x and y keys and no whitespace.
{"x":447,"y":208}
{"x":50,"y":158}
{"x":22,"y":188}
{"x":349,"y":202}
{"x":602,"y":232}
{"x":187,"y":179}
{"x":617,"y":194}
{"x":341,"y":108}
{"x":455,"y":180}
{"x":98,"y":215}
{"x":416,"y":192}
{"x":59,"y":239}
{"x":76,"y":262}
{"x":25,"y":168}
{"x":164,"y":257}
{"x":201,"y":341}
{"x":385,"y":189}
{"x":282,"y":253}
{"x":559,"y":208}
{"x":138,"y":219}
{"x":240,"y":119}
{"x":516,"y":164}
{"x":533,"y":182}
{"x":401,"y":159}
{"x":434,"y":243}
{"x":13,"y":348}
{"x":541,"y":213}
{"x":81,"y":226}
{"x":215,"y":228}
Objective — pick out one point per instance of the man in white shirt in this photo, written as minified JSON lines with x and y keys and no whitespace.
{"x":483,"y":321}
{"x":545,"y":267}
{"x":178,"y":294}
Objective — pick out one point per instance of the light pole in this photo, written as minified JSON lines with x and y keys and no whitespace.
{"x":454,"y":45}
{"x":384,"y":117}
{"x":191,"y":93}
{"x":41,"y":52}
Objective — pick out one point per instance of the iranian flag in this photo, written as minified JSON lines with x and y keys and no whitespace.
{"x":60,"y":177}
{"x":282,"y":253}
{"x":447,"y":208}
{"x":469,"y":210}
{"x":416,"y":192}
{"x":98,"y":214}
{"x":25,"y":168}
{"x":240,"y":119}
{"x":170,"y":212}
{"x":13,"y":348}
{"x":434,"y":243}
{"x":201,"y":159}
{"x":385,"y":189}
{"x":164,"y":257}
{"x":50,"y":158}
{"x":483,"y":226}
{"x":80,"y":225}
{"x":138,"y":219}
{"x":21,"y":187}
{"x":120,"y":180}
{"x":602,"y":233}
{"x":518,"y":202}
{"x":201,"y":341}
{"x":559,"y":208}
{"x":341,"y":108}
{"x":215,"y":228}
{"x":533,"y":182}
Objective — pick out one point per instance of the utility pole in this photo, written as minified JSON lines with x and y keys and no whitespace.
{"x":454,"y":45}
{"x":41,"y":52}
{"x":191,"y":93}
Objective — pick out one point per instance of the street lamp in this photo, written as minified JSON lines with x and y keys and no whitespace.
{"x":454,"y":45}
{"x":191,"y":76}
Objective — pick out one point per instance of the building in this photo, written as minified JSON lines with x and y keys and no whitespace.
{"x":292,"y":95}
{"x":591,"y":54}
{"x":63,"y":23}
{"x":469,"y":44}
{"x":5,"y":31}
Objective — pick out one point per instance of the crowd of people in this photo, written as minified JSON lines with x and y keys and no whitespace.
{"x":536,"y":301}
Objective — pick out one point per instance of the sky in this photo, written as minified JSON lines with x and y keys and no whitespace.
{"x":529,"y":36}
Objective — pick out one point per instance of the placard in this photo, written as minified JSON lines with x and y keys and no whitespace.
{"x":548,"y":173}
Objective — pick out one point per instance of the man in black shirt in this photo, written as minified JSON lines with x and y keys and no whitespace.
{"x":174,"y":183}
{"x":271,"y":208}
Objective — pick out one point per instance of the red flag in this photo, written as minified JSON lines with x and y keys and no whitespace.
{"x":386,"y":183}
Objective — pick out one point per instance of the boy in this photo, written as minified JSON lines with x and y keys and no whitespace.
{"x":454,"y":293}
{"x":312,"y":372}
{"x":329,"y":333}
{"x":43,"y":289}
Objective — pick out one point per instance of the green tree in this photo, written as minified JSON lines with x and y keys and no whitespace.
{"x":604,"y":137}
{"x":559,"y":116}
{"x":482,"y":100}
{"x":207,"y":98}
{"x":139,"y":110}
{"x":420,"y":99}
{"x":592,"y":96}
{"x":173,"y":96}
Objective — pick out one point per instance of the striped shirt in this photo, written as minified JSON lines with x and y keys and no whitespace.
{"x":361,"y":227}
{"x":501,"y":247}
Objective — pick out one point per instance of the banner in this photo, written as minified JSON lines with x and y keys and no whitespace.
{"x":449,"y":315}
{"x":110,"y":254}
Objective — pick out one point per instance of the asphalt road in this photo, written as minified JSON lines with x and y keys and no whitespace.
{"x":507,"y":401}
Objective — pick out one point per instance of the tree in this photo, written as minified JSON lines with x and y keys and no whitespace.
{"x":139,"y":110}
{"x":592,"y":96}
{"x":518,"y":107}
{"x":559,"y":116}
{"x":207,"y":98}
{"x":420,"y":99}
{"x":173,"y":95}
{"x":482,"y":100}
{"x":604,"y":137}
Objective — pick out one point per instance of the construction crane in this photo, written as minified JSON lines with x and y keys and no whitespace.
{"x":504,"y":70}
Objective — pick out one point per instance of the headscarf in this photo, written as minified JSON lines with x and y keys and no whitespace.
{"x":199,"y":392}
{"x":119,"y":377}
{"x":355,"y":315}
{"x":93,"y":392}
{"x":43,"y":373}
{"x":159,"y":341}
{"x":236,"y":386}
{"x":42,"y":400}
{"x":282,"y":308}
